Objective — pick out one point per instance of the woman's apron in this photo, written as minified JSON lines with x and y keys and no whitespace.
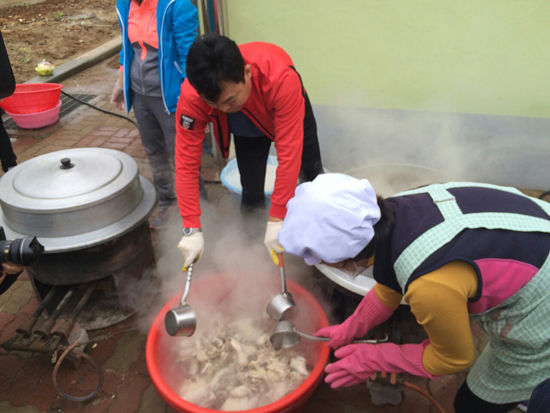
{"x":517,"y":357}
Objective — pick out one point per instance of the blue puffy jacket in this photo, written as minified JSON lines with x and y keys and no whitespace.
{"x":177,"y":22}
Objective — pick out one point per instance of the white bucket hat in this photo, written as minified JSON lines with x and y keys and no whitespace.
{"x":330,"y":219}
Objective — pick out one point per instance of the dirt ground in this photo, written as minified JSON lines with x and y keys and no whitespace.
{"x":55,"y":31}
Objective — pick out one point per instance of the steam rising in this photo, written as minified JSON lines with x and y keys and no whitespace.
{"x":394,"y":149}
{"x":233,"y":244}
{"x":502,"y":150}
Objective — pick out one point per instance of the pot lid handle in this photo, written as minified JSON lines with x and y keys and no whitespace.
{"x":66,"y":163}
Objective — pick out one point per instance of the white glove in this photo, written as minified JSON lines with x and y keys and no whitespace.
{"x":192,"y":247}
{"x":271,"y":241}
{"x":117,"y":96}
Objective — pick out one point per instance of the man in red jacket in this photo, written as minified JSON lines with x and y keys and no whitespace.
{"x":254,"y":92}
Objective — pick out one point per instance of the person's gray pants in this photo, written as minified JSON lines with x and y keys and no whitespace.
{"x":158,"y":134}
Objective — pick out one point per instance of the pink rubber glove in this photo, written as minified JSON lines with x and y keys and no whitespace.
{"x":358,"y":362}
{"x":367,"y":315}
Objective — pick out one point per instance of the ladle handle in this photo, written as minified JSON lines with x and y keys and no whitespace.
{"x":282,"y":270}
{"x":187,"y":285}
{"x":371,"y":341}
{"x":309,"y":337}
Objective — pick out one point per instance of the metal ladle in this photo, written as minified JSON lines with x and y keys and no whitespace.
{"x":285,"y":335}
{"x":282,"y":304}
{"x":181,"y":321}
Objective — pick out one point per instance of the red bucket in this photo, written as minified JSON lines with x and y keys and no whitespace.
{"x":32,"y":98}
{"x":160,"y":361}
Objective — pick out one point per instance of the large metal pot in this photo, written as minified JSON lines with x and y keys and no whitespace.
{"x":75,"y":198}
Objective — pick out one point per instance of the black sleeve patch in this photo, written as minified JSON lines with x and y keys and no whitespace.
{"x":187,"y":123}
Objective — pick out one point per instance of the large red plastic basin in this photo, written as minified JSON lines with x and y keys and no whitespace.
{"x":31,"y":98}
{"x":158,"y":352}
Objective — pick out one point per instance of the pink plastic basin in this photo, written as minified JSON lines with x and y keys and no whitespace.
{"x":36,"y":120}
{"x":160,"y":360}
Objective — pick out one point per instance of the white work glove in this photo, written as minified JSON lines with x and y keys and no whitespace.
{"x":117,"y":96}
{"x":271,"y":241}
{"x":191,"y":247}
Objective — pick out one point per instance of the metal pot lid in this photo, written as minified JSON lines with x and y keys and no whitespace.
{"x":67,"y":179}
{"x":99,"y":236}
{"x":361,"y":284}
{"x":75,"y":199}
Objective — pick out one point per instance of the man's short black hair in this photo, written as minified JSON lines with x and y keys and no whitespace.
{"x":212,"y":61}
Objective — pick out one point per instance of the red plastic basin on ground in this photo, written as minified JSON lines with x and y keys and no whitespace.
{"x":158,"y":348}
{"x":32,"y":98}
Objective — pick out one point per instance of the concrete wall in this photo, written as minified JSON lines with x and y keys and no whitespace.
{"x":460,"y":87}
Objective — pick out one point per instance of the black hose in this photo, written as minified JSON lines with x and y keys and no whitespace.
{"x":102,"y":110}
{"x":544,"y":194}
{"x":208,"y":181}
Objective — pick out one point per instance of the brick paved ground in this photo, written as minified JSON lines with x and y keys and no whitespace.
{"x":26,"y":379}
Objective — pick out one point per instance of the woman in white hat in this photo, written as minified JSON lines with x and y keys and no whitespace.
{"x":452,"y":251}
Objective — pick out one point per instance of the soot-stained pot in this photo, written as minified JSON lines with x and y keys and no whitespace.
{"x":75,"y":199}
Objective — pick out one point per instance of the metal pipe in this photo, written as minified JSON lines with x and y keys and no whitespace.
{"x":20,"y":345}
{"x":205,"y":16}
{"x":213,"y":16}
{"x":220,"y":27}
{"x":26,"y":328}
{"x":65,"y":329}
{"x":44,"y":330}
{"x":53,"y":339}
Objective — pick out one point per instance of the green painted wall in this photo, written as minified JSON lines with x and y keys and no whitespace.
{"x":466,"y":56}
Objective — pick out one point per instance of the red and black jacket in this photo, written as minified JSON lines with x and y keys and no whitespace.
{"x":276,"y":105}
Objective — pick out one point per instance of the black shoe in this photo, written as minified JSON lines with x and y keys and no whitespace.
{"x":166,"y":212}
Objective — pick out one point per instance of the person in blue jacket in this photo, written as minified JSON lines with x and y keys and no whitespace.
{"x":156,"y":36}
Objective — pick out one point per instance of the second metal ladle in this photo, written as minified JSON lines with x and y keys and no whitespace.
{"x":182,"y":321}
{"x":282,"y":304}
{"x":285,"y":335}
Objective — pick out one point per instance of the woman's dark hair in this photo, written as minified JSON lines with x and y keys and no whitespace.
{"x":382,"y":229}
{"x":212,"y":61}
